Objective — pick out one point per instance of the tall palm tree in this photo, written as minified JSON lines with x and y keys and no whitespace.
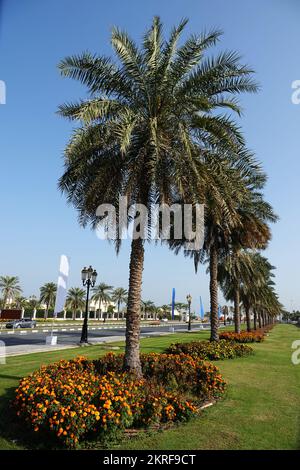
{"x":234,"y":176}
{"x":102,"y":294}
{"x":120,"y":297}
{"x":75,"y":300}
{"x":254,"y":233}
{"x":48,"y":295}
{"x":258,"y":292}
{"x":10,"y":288}
{"x":143,"y":130}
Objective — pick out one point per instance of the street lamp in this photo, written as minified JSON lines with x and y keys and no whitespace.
{"x":189,"y":301}
{"x":88,"y":277}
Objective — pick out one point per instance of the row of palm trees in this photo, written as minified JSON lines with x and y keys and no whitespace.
{"x":103,"y":294}
{"x":153,"y":129}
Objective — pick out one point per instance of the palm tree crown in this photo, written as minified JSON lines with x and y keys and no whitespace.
{"x":102,"y":294}
{"x":10,"y":288}
{"x":120,"y":297}
{"x":48,"y":295}
{"x":75,"y":300}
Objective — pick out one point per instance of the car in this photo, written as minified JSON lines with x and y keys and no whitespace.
{"x":22,"y":323}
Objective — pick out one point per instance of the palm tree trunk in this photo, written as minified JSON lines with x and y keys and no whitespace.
{"x":213,"y":289}
{"x":99,"y":313}
{"x":248,"y":319}
{"x":255,"y":319}
{"x":237,"y":318}
{"x":46,"y":311}
{"x":259,"y":320}
{"x":118,"y":317}
{"x":132,"y":350}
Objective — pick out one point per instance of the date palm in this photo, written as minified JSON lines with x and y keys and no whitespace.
{"x":119,"y":296}
{"x":48,"y":295}
{"x":21,"y":302}
{"x":102,"y":294}
{"x":142,"y":131}
{"x":258,"y":292}
{"x":234,"y":178}
{"x":149,"y":307}
{"x":33,"y":303}
{"x":10,"y":288}
{"x":75,"y":300}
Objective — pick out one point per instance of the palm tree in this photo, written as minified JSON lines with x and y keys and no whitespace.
{"x":165,"y":311}
{"x":75,"y":300}
{"x":254,"y":233}
{"x":143,"y":131}
{"x":120,"y":297}
{"x":235,"y":175}
{"x":33,"y":303}
{"x":102,"y":294}
{"x":21,"y":302}
{"x":10,"y":288}
{"x":48,"y":295}
{"x":149,"y":307}
{"x":258,"y":292}
{"x":181,"y":307}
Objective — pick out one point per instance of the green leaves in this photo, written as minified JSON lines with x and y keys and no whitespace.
{"x":150,"y":129}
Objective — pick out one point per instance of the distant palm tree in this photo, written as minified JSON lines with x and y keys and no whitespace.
{"x":75,"y":300}
{"x":149,"y":307}
{"x":120,"y":297}
{"x":165,"y":309}
{"x":181,"y":307}
{"x":10,"y":288}
{"x":47,"y":296}
{"x":102,"y":294}
{"x":20,"y":302}
{"x":33,"y":303}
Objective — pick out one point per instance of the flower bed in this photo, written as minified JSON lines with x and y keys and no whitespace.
{"x":212,"y":351}
{"x":179,"y":372}
{"x":243,"y":337}
{"x":74,"y":400}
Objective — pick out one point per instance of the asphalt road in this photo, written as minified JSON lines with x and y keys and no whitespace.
{"x":27,"y":337}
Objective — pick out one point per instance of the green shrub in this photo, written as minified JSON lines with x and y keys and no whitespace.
{"x":212,"y":351}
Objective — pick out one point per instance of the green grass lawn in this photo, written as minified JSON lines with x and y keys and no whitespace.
{"x":261,"y":409}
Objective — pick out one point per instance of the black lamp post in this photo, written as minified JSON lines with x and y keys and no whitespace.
{"x":189,"y":301}
{"x":88,"y":277}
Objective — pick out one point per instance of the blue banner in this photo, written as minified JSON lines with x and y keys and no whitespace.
{"x":173,"y":302}
{"x":201,"y":309}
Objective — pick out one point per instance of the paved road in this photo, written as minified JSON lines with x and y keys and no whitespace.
{"x":69,"y":337}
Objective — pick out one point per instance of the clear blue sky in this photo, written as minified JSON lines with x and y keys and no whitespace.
{"x":36,"y":223}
